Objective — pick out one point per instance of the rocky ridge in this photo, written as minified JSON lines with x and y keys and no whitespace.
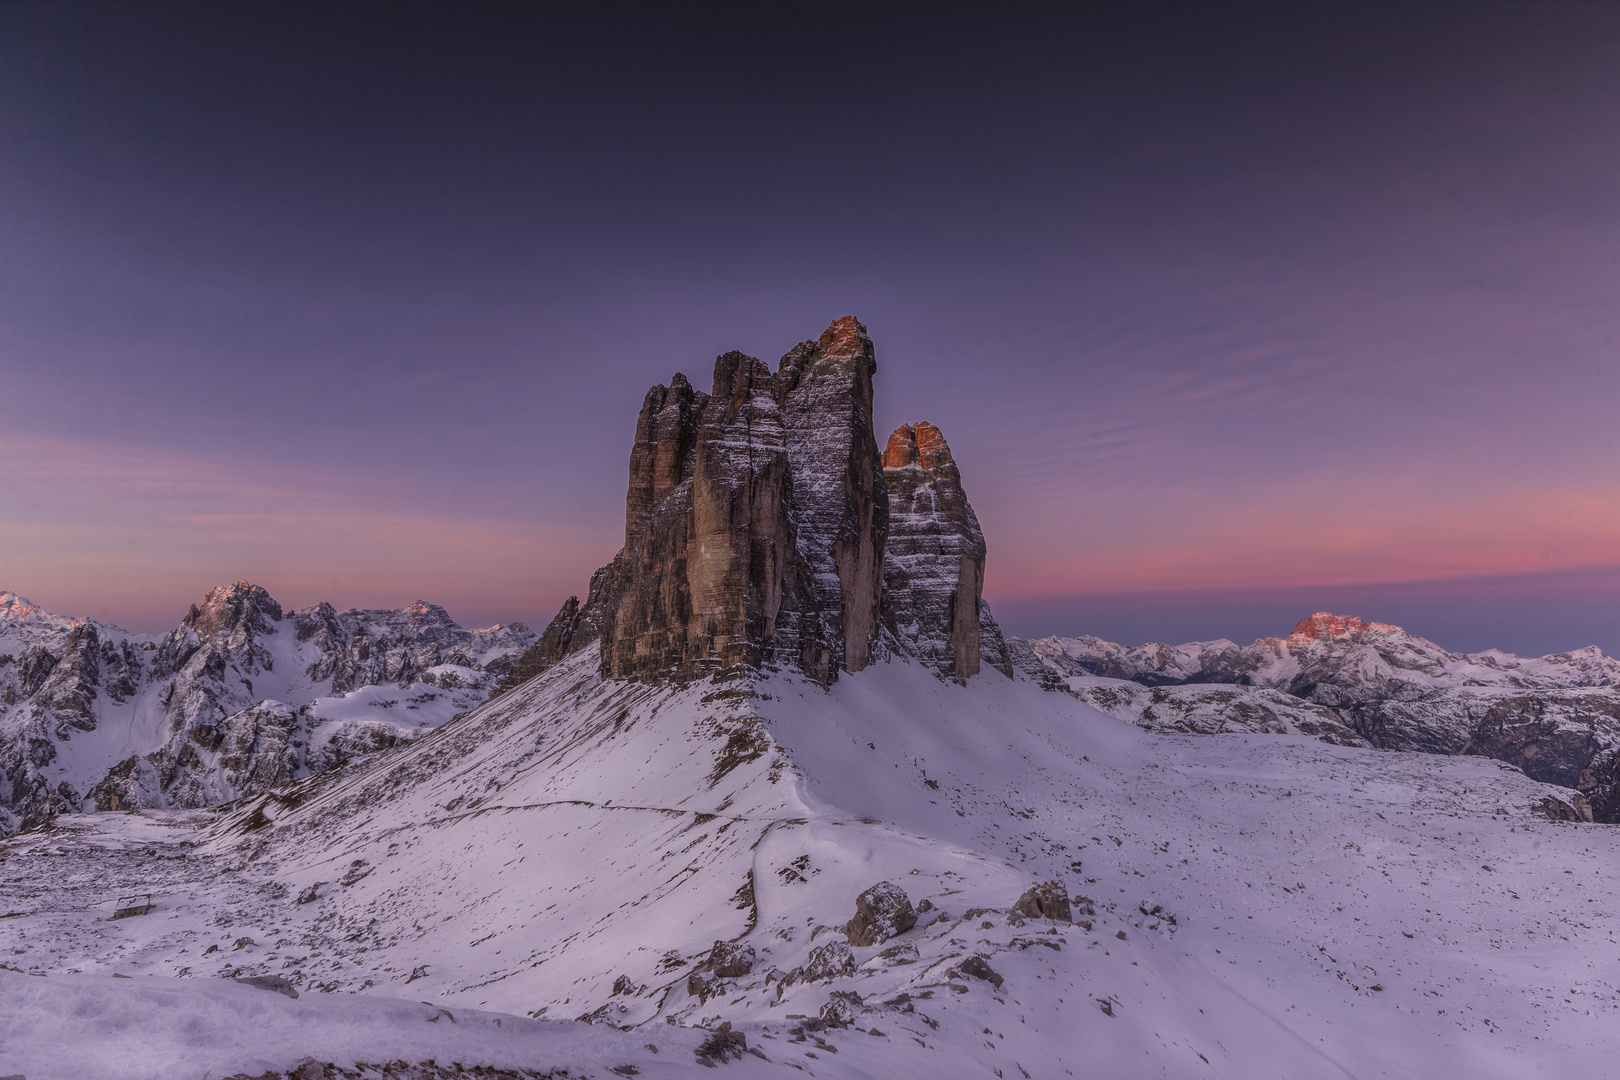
{"x":240,"y":697}
{"x":1348,"y":681}
{"x":761,"y":532}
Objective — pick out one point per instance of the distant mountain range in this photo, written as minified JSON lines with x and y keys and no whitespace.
{"x":239,"y":697}
{"x":1352,"y":682}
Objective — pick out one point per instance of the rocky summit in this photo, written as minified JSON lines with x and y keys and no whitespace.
{"x":763,"y":528}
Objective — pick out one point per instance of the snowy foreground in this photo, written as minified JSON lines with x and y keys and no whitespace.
{"x":1260,"y":905}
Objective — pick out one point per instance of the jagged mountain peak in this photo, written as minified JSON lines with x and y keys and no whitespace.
{"x":1348,"y":680}
{"x":917,"y":446}
{"x":1324,"y":625}
{"x":20,"y":611}
{"x":234,"y":613}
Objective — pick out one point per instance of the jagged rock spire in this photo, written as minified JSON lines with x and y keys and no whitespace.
{"x":756,"y":523}
{"x":933,"y":573}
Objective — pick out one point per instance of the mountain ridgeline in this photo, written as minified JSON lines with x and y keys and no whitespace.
{"x":764,"y":528}
{"x":1357,"y":683}
{"x":240,"y":697}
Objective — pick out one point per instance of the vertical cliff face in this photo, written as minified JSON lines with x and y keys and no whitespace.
{"x":756,"y":526}
{"x":934,"y":570}
{"x":840,"y":506}
{"x":708,"y":545}
{"x":645,"y":627}
{"x":741,"y":555}
{"x":755,"y":520}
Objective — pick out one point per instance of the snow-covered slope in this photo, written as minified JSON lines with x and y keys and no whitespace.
{"x":1556,"y":717}
{"x":1245,"y":906}
{"x":239,"y":697}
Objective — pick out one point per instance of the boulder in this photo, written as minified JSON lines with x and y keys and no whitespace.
{"x":701,"y":984}
{"x":1046,"y":901}
{"x":829,"y":961}
{"x":978,"y":968}
{"x":881,"y":912}
{"x":841,"y":1009}
{"x":731,"y":959}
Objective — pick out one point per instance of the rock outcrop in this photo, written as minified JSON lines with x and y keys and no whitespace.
{"x":881,"y":912}
{"x":708,"y":547}
{"x":755,"y":519}
{"x":840,"y":504}
{"x":933,"y":569}
{"x":757,"y":533}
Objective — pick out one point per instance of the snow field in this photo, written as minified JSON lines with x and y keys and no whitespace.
{"x":575,"y":848}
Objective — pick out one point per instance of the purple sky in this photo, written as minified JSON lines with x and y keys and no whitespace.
{"x":1227,"y":315}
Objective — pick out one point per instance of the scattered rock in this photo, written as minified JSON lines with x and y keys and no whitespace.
{"x":1046,"y":901}
{"x":841,"y":1008}
{"x":357,"y":870}
{"x":905,"y":953}
{"x":722,"y":1045}
{"x":730,"y":959}
{"x":310,"y":894}
{"x":881,"y":912}
{"x":977,"y":967}
{"x":271,"y":982}
{"x":829,"y":961}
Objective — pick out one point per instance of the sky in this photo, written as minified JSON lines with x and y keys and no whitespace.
{"x":1229,"y":313}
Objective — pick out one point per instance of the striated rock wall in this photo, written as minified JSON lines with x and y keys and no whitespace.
{"x":755,"y":520}
{"x":840,"y":504}
{"x":708,"y":547}
{"x":933,"y":570}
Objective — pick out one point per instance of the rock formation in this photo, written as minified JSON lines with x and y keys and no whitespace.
{"x":757,"y":527}
{"x":840,"y":504}
{"x":933,"y":571}
{"x":708,"y":546}
{"x":881,"y":912}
